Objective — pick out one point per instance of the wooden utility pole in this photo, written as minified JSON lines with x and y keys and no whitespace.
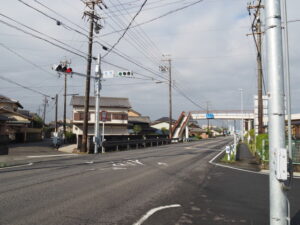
{"x":257,"y":35}
{"x":93,"y":18}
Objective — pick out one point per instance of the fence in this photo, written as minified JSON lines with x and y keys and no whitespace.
{"x":263,"y":151}
{"x":296,"y":151}
{"x":134,"y":144}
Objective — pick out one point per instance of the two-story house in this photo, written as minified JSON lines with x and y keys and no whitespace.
{"x":19,"y":123}
{"x":116,"y":116}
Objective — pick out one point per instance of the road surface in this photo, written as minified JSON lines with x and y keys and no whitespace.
{"x":173,"y":184}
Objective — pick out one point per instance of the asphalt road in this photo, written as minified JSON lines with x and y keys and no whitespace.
{"x":120,"y":188}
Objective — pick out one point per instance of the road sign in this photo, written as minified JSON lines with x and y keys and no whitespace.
{"x":108,"y":74}
{"x":210,"y":116}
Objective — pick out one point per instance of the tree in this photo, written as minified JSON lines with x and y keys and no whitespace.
{"x":164,"y":130}
{"x":137,"y":129}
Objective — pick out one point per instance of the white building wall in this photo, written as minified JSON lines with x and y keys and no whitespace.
{"x":159,"y":126}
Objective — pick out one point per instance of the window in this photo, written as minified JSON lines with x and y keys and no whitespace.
{"x":119,"y":116}
{"x":80,"y":116}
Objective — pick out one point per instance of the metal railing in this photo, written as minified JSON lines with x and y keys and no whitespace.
{"x":135,"y":144}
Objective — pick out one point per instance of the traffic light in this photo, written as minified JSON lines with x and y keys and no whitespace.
{"x":127,"y":74}
{"x":62,"y":68}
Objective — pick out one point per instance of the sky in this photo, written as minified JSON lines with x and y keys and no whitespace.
{"x":212,"y":56}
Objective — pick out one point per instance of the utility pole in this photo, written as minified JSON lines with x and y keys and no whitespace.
{"x":65,"y":64}
{"x":97,"y":140}
{"x":287,"y":80}
{"x":242,"y":113}
{"x":279,"y":210}
{"x":45,"y":107}
{"x":207,"y":112}
{"x":163,"y":69}
{"x":93,"y":18}
{"x":257,"y":36}
{"x":56,"y":111}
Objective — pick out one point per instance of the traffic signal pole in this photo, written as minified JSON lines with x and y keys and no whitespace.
{"x":279,"y":214}
{"x":97,"y":140}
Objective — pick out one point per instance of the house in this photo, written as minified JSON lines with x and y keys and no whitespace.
{"x":3,"y":120}
{"x":162,"y":123}
{"x":133,"y":113}
{"x":116,"y":116}
{"x":19,"y":123}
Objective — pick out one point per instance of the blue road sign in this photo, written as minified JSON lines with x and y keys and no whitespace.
{"x":210,"y":116}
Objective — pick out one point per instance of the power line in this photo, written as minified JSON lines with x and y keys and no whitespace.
{"x":69,"y":28}
{"x":25,"y":59}
{"x":40,"y":38}
{"x":25,"y":87}
{"x":32,"y":29}
{"x":126,"y":29}
{"x":156,"y":18}
{"x":175,"y":87}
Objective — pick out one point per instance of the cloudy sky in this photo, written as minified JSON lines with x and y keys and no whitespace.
{"x":212,"y":57}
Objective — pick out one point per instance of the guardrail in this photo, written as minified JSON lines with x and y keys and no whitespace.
{"x":135,"y":144}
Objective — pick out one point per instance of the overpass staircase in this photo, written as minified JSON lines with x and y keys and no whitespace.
{"x":180,"y":126}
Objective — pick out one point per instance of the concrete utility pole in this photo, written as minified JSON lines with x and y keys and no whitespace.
{"x":97,"y":140}
{"x":56,"y":111}
{"x":45,"y":107}
{"x":169,"y":60}
{"x":65,"y":63}
{"x":279,"y":212}
{"x":287,"y":76}
{"x":257,"y":35}
{"x":242,"y":112}
{"x":207,"y":112}
{"x":93,"y":20}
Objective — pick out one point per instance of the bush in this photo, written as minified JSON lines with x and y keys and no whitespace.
{"x":70,"y":137}
{"x":263,"y":152}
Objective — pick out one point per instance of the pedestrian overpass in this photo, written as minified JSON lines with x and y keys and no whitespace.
{"x":181,"y":131}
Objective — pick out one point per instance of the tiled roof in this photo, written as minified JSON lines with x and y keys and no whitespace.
{"x":111,"y":102}
{"x":139,"y":119}
{"x":5,"y":99}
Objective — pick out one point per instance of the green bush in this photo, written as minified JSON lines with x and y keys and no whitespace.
{"x":70,"y":137}
{"x":263,"y":152}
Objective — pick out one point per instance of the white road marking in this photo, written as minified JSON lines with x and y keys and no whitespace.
{"x":89,"y":162}
{"x":136,"y":161}
{"x":152,"y":211}
{"x":263,"y":172}
{"x":119,"y":168}
{"x":45,"y":156}
{"x":162,"y":164}
{"x":9,"y":167}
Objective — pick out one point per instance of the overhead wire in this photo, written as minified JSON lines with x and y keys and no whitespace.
{"x":70,"y":28}
{"x":23,"y":86}
{"x":144,"y":37}
{"x":25,"y":59}
{"x":156,"y":18}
